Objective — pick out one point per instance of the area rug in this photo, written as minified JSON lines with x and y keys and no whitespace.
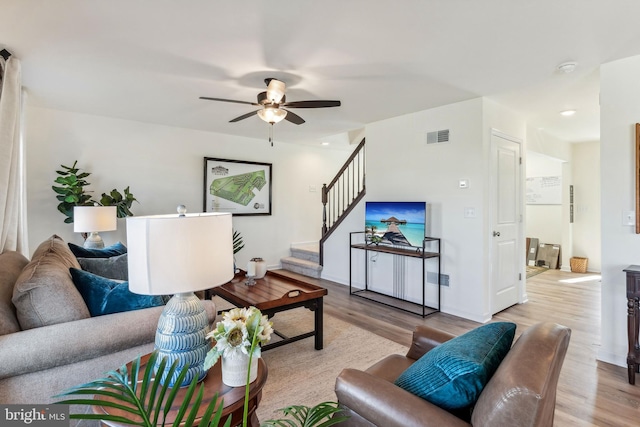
{"x":301,"y":375}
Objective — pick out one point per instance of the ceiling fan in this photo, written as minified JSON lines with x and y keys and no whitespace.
{"x":273,"y":101}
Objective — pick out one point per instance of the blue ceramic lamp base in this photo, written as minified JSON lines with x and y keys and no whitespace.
{"x":181,"y":335}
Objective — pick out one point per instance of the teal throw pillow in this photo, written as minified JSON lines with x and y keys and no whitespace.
{"x":115,"y":267}
{"x":106,"y":296}
{"x":453,"y":374}
{"x":113,"y":250}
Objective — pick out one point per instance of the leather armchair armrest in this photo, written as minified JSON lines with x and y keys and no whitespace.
{"x":425,"y":339}
{"x":384,"y":404}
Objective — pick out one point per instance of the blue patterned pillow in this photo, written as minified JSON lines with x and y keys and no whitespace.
{"x":113,"y":250}
{"x":106,"y":296}
{"x":453,"y":374}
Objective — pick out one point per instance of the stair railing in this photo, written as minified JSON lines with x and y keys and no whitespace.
{"x":343,"y":193}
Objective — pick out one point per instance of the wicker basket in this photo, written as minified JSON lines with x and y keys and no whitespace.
{"x":578,"y":264}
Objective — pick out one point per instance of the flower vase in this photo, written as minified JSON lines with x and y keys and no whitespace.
{"x":234,"y":369}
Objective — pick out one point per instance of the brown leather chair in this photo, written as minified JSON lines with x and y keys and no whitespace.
{"x":522,"y":392}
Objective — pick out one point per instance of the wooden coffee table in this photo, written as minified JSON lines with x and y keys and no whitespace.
{"x":233,"y":397}
{"x":275,"y":293}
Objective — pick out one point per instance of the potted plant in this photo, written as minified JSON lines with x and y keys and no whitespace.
{"x":121,"y":202}
{"x":71,"y":192}
{"x":238,"y":338}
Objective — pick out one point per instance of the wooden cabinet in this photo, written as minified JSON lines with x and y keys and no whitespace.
{"x":633,"y":320}
{"x":430,"y":250}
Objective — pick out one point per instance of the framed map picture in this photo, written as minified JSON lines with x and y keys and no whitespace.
{"x":236,"y":186}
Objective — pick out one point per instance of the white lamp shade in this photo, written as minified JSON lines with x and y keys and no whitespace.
{"x":272,"y":115}
{"x":169,"y":254}
{"x":87,"y":219}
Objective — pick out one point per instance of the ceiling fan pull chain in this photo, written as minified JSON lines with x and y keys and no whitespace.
{"x":271,"y":133}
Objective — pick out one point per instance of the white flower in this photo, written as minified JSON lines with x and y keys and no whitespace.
{"x":266,"y":330}
{"x":236,"y":314}
{"x":235,"y":334}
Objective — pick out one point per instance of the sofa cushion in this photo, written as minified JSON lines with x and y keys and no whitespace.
{"x":453,"y":374}
{"x":115,"y":267}
{"x":106,"y":296}
{"x":11,"y":265}
{"x":113,"y":250}
{"x":44,"y":293}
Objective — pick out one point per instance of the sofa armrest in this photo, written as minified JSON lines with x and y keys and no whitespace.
{"x":65,"y":343}
{"x":425,"y":339}
{"x":384,"y":404}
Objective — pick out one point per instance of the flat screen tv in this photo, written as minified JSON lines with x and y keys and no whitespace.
{"x":395,"y":223}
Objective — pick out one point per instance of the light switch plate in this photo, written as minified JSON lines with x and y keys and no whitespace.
{"x":629,"y":218}
{"x":463,"y":183}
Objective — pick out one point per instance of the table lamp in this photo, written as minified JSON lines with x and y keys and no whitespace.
{"x":180,"y":254}
{"x":92,"y":219}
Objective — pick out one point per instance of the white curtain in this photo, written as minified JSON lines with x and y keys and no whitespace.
{"x":13,"y":229}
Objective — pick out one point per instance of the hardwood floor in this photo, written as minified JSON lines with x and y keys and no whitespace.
{"x":590,"y":393}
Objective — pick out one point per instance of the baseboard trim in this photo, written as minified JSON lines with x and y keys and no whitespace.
{"x":612,"y":358}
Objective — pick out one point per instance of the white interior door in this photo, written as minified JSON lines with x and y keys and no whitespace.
{"x":506,"y":280}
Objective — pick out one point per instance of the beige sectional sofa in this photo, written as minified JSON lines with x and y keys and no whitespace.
{"x":48,"y":340}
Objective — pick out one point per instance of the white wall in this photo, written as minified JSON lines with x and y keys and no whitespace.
{"x":586,"y":189}
{"x":164,"y":167}
{"x":402,"y":167}
{"x":544,"y":222}
{"x":619,"y":111}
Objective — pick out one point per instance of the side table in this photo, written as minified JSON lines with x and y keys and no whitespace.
{"x":633,"y":320}
{"x":233,"y":397}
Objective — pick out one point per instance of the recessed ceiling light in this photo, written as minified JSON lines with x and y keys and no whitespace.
{"x":568,"y":112}
{"x":325,"y":143}
{"x":567,"y":67}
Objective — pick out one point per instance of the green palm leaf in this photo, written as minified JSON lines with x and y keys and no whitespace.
{"x":320,"y":415}
{"x":145,"y":398}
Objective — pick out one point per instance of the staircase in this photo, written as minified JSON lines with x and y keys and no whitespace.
{"x":304,"y":260}
{"x":338,"y":199}
{"x":343,"y":194}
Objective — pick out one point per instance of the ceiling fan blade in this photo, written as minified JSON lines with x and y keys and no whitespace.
{"x":293,"y":117}
{"x":311,"y":104}
{"x":228,"y":100}
{"x":244,"y":116}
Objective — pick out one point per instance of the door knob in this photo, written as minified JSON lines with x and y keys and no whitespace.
{"x":496,"y":234}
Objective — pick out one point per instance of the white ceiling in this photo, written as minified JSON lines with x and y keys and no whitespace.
{"x":150,"y":60}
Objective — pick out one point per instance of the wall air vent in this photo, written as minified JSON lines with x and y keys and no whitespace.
{"x":438,"y":137}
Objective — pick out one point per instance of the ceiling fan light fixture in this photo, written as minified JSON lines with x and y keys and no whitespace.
{"x":272,"y":115}
{"x":275,"y":91}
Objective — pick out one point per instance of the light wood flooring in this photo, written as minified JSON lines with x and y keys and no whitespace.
{"x":590,"y":393}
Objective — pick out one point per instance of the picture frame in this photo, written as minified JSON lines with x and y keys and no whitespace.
{"x":637,"y":173}
{"x":237,"y":186}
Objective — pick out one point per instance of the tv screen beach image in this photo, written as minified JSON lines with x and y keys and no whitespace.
{"x":395,"y":223}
